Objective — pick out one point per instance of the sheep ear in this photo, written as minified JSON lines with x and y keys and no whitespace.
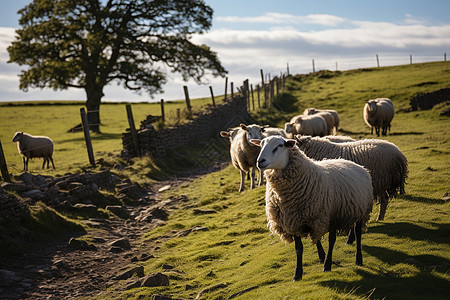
{"x":225,"y":134}
{"x":243,"y":126}
{"x":290,"y":143}
{"x":256,"y":142}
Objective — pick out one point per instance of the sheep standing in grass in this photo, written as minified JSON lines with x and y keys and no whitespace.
{"x":387,"y":164}
{"x":30,"y":146}
{"x":333,"y":122}
{"x":306,"y":197}
{"x":379,"y":113}
{"x":314,"y":125}
{"x":243,"y":153}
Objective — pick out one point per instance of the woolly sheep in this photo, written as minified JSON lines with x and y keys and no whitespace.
{"x":306,"y":197}
{"x":306,"y":125}
{"x":30,"y":146}
{"x":270,"y":131}
{"x":388,"y":166}
{"x":336,"y":120}
{"x":379,"y":113}
{"x":339,"y":138}
{"x":243,"y":153}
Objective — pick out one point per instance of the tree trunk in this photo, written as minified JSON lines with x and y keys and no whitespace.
{"x":94,"y":96}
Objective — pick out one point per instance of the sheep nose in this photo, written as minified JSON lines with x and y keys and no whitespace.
{"x":262,"y":160}
{"x":260,"y":163}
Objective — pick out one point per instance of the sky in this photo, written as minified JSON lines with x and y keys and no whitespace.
{"x":271,"y":35}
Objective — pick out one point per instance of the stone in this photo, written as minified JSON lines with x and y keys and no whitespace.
{"x":118,"y":210}
{"x":33,"y":194}
{"x":139,"y":271}
{"x":80,"y":244}
{"x":155,"y":279}
{"x":85,"y":208}
{"x":123,"y":243}
{"x":16,"y":187}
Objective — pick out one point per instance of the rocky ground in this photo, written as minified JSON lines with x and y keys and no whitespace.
{"x":77,"y":266}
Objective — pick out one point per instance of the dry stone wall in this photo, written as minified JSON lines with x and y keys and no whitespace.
{"x":428,"y":100}
{"x":204,"y":125}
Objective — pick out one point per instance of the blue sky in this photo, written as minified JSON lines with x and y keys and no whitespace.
{"x":253,"y":35}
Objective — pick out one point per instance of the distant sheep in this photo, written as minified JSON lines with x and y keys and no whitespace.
{"x":30,"y":146}
{"x":332,"y":122}
{"x":243,"y":153}
{"x":271,"y":131}
{"x":307,"y":197}
{"x":388,"y":166}
{"x":314,"y":125}
{"x":339,"y":138}
{"x":379,"y":113}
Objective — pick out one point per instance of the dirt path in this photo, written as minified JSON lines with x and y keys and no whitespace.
{"x":67,"y":270}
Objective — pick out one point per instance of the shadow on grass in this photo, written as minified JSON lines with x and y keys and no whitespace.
{"x":407,"y":230}
{"x":422,"y":199}
{"x":389,"y":285}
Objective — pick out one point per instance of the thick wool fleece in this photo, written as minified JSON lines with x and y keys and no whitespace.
{"x":387,"y":165}
{"x":313,"y":197}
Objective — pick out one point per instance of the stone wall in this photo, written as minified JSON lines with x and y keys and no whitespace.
{"x":11,"y":207}
{"x":204,"y":125}
{"x":428,"y":100}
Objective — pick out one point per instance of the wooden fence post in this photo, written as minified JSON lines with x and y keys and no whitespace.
{"x":410,"y":59}
{"x":378,"y":62}
{"x":287,"y":69}
{"x":259,"y":99}
{"x":188,"y":100}
{"x":226,"y":87}
{"x":253,"y":99}
{"x":133,"y":131}
{"x":3,"y":166}
{"x":163,"y":115}
{"x":232,"y":90}
{"x":314,"y":67}
{"x":87,"y":136}
{"x":445,"y":56}
{"x":263,"y":85}
{"x":212,"y":95}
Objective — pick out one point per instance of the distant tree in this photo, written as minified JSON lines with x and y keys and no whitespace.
{"x":90,"y":43}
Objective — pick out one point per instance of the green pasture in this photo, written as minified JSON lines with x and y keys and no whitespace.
{"x":407,"y":256}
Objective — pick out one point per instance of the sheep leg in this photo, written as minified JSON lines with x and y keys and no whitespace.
{"x":358,"y":227}
{"x":320,"y":252}
{"x":241,"y":187}
{"x":384,"y":199}
{"x":45,"y":161}
{"x":260,"y":178}
{"x":25,"y":164}
{"x":299,"y":252}
{"x":329,"y":259}
{"x":53,"y":164}
{"x":252,"y":179}
{"x":351,"y":236}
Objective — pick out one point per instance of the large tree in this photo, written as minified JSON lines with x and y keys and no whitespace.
{"x":90,"y":43}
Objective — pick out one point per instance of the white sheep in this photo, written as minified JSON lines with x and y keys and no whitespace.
{"x":333,"y":122}
{"x":243,"y":153}
{"x":314,"y":125}
{"x":307,"y":197}
{"x":388,"y":166}
{"x":379,"y":113}
{"x":339,"y":138}
{"x":30,"y":146}
{"x":270,"y":131}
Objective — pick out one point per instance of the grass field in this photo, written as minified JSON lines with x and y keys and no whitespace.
{"x":407,"y":256}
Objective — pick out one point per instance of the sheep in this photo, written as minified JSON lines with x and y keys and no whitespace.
{"x":336,"y":120}
{"x":379,"y":113}
{"x":30,"y":146}
{"x":339,"y":138}
{"x":269,"y":131}
{"x":388,"y":166}
{"x":243,"y":153}
{"x":306,"y":125}
{"x":306,"y":197}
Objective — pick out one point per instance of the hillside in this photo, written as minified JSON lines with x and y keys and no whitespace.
{"x":215,"y":239}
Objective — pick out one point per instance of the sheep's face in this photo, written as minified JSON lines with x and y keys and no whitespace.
{"x":274,"y":152}
{"x":18,"y":136}
{"x":253,"y":131}
{"x":371,"y":106}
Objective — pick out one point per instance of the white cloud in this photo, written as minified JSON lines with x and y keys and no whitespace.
{"x":278,"y":18}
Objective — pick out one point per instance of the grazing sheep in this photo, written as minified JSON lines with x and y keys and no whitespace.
{"x":270,"y":131}
{"x":30,"y":146}
{"x":307,"y":197}
{"x":387,"y":165}
{"x":336,"y":120}
{"x":379,"y":113}
{"x":243,"y":153}
{"x":314,"y":125}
